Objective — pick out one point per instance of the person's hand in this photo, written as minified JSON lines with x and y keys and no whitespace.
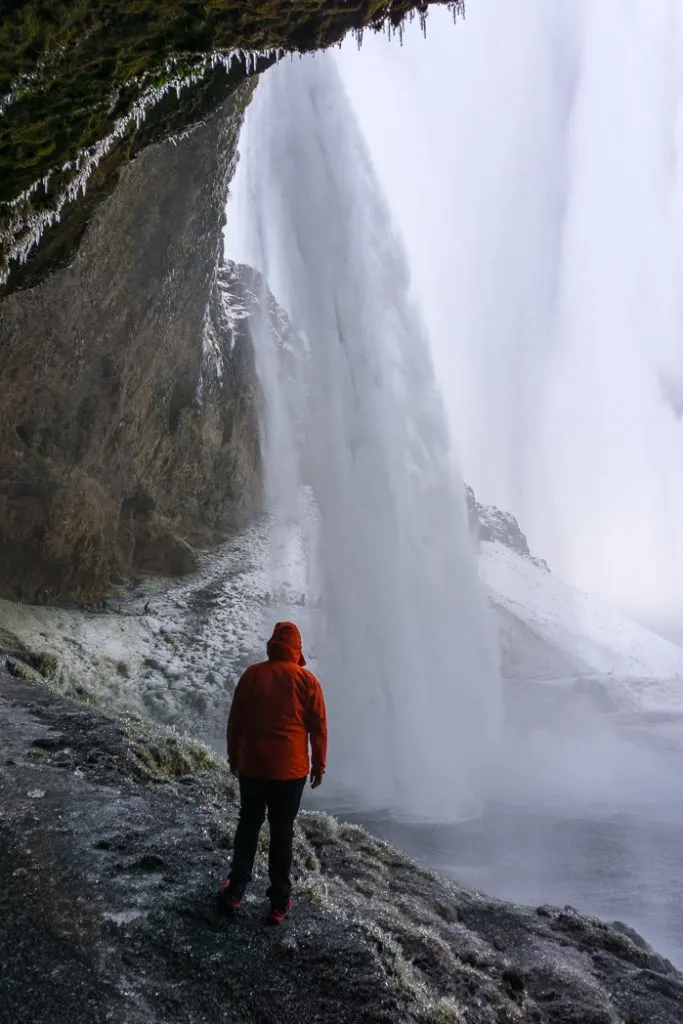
{"x":316,"y":778}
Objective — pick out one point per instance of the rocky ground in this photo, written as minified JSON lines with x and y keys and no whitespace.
{"x":114,"y":836}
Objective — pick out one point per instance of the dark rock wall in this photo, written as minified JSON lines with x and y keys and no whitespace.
{"x":120,"y":442}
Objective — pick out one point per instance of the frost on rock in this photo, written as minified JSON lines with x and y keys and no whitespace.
{"x":212,"y":355}
{"x":173,"y":651}
{"x":135,"y":865}
{"x":244,"y":295}
{"x":240,"y":295}
{"x":489,"y":524}
{"x":26,"y":225}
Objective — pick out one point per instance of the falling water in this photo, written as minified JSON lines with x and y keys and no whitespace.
{"x":540,"y":190}
{"x":358,"y":462}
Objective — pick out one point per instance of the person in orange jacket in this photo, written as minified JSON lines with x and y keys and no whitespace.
{"x":277,"y":709}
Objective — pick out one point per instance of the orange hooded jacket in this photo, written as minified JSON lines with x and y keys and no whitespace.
{"x":277,"y":707}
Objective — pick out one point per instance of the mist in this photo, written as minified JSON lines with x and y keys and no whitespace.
{"x":532,"y":159}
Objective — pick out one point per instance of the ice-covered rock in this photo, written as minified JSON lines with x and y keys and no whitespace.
{"x":112,"y":877}
{"x":489,"y":524}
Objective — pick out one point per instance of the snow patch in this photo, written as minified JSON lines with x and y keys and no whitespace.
{"x":173,"y":650}
{"x":645,"y":670}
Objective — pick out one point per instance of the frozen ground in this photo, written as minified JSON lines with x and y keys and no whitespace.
{"x":585,"y":804}
{"x":113,"y":881}
{"x":174,"y":649}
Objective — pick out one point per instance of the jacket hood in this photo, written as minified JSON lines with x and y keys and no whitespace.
{"x":285,"y":644}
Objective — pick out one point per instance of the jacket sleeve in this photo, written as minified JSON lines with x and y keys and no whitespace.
{"x":236,"y":722}
{"x":317,"y":726}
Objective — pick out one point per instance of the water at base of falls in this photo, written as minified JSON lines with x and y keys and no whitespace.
{"x":358,"y":464}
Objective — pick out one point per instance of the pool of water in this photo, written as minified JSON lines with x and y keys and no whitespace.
{"x":590,"y":819}
{"x":621,"y":867}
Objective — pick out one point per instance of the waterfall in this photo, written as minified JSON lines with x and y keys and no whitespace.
{"x":360,"y":476}
{"x":541,"y":195}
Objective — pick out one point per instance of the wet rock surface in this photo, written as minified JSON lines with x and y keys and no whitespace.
{"x":129,"y":428}
{"x":114,"y":837}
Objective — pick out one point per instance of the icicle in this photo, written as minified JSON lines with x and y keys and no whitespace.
{"x":24,"y":232}
{"x":458,"y":10}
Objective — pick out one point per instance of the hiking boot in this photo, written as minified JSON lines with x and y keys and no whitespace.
{"x":229,"y":900}
{"x":276,"y":916}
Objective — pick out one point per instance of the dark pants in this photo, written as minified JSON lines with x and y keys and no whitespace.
{"x":281,"y":798}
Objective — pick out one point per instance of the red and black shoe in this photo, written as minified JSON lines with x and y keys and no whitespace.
{"x":276,"y":915}
{"x":227,"y":899}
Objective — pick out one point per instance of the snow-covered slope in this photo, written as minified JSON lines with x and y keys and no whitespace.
{"x":173,"y":649}
{"x":550,"y":629}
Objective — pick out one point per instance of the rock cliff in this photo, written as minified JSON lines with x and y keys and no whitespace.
{"x":128,"y":424}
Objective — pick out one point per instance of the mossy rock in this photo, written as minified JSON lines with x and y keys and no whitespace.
{"x":10,"y":641}
{"x":20,"y":670}
{"x":85,"y":85}
{"x":159,"y":549}
{"x":159,"y":758}
{"x":32,"y":667}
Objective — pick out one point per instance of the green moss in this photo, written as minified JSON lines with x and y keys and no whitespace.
{"x":157,"y":753}
{"x":312,"y":890}
{"x":428,"y":1006}
{"x":20,"y":670}
{"x":161,"y":753}
{"x":162,"y":759}
{"x":48,"y":665}
{"x":394,"y":961}
{"x":31,"y":667}
{"x":70,"y":73}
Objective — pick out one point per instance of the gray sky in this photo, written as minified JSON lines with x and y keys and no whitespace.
{"x":533,"y":158}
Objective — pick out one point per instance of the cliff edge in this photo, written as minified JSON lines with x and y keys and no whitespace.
{"x":114,"y":837}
